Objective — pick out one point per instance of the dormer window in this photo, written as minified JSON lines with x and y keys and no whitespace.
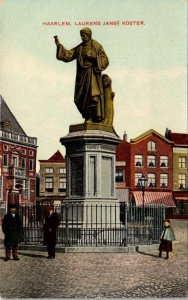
{"x":151,"y":146}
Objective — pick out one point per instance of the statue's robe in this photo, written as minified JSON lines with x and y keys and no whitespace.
{"x":88,"y":78}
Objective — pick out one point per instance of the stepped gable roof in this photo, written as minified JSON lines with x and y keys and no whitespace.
{"x":8,"y":120}
{"x":178,"y":138}
{"x":56,"y":157}
{"x":147,"y":133}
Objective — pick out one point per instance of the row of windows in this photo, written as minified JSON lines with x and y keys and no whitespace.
{"x":51,"y":170}
{"x":15,"y":162}
{"x":24,"y":151}
{"x":152,"y":179}
{"x":49,"y":184}
{"x":151,"y":161}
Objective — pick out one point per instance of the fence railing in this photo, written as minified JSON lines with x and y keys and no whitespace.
{"x":96,"y":225}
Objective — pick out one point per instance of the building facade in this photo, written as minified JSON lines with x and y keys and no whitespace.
{"x":18,"y":161}
{"x":150,"y":154}
{"x":52,"y":179}
{"x":180,"y":171}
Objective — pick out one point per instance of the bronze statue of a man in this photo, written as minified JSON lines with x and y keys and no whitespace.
{"x":91,"y":61}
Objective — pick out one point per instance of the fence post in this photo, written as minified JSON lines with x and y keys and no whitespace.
{"x":67,"y":242}
{"x":125,"y":239}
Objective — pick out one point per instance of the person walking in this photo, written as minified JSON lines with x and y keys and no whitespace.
{"x":50,"y":226}
{"x":167,"y":237}
{"x":12,"y":227}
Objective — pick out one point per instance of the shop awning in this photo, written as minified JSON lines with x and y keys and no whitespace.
{"x":122,"y":195}
{"x":158,"y":198}
{"x":181,"y":196}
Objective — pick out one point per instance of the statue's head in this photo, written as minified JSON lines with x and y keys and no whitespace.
{"x":85,"y":34}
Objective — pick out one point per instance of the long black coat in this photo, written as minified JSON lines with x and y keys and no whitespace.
{"x":50,"y":227}
{"x":12,"y":228}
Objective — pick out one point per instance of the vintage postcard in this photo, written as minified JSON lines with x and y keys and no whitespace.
{"x":138,"y":48}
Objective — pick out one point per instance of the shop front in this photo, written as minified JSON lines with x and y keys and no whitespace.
{"x":181,"y":201}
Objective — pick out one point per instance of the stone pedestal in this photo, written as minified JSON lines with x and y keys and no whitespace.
{"x":90,"y":160}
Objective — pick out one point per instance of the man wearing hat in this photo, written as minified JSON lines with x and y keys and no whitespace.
{"x":91,"y":61}
{"x":12,"y":227}
{"x":50,"y":226}
{"x":167,"y":237}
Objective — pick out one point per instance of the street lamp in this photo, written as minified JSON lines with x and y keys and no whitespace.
{"x":142,"y":182}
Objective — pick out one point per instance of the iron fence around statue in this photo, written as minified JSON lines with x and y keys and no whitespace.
{"x":95,"y":225}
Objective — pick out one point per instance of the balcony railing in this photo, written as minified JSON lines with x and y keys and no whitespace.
{"x":18,"y":137}
{"x":16,"y":172}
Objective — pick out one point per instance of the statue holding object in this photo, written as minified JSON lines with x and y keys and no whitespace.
{"x":93,"y":95}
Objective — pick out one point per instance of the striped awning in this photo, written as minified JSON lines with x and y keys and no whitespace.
{"x":159,"y":198}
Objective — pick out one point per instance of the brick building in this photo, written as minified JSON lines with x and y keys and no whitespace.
{"x":18,"y":161}
{"x":52,"y":179}
{"x":150,"y":154}
{"x":180,"y":173}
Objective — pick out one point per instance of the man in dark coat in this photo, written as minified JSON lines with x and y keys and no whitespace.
{"x":91,"y":61}
{"x":50,"y":227}
{"x":12,"y":227}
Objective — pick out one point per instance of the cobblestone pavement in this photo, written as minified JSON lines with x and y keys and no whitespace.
{"x":97,"y":275}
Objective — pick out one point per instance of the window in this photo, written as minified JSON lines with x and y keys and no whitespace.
{"x":15,"y":160}
{"x":164,"y":180}
{"x":1,"y":185}
{"x":24,"y":151}
{"x":49,"y":170}
{"x":182,"y":181}
{"x":62,"y":170}
{"x":164,"y":161}
{"x":62,"y":184}
{"x":151,"y":146}
{"x":49,"y":184}
{"x":23,"y":138}
{"x":119,"y":175}
{"x":151,"y":161}
{"x":5,"y":160}
{"x":151,"y":180}
{"x":138,"y":160}
{"x":31,"y":165}
{"x":137,"y":176}
{"x":182,"y":162}
{"x":5,"y":147}
{"x":27,"y":188}
{"x":14,"y":136}
{"x":23,"y":163}
{"x":31,"y":153}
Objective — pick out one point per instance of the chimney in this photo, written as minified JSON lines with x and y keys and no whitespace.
{"x":167,"y":133}
{"x":125,"y":136}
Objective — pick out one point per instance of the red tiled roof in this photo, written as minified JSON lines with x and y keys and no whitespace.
{"x":160,"y":198}
{"x":56,"y":157}
{"x":179,"y":138}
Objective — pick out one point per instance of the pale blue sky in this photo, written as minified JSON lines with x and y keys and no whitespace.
{"x":148,"y":64}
